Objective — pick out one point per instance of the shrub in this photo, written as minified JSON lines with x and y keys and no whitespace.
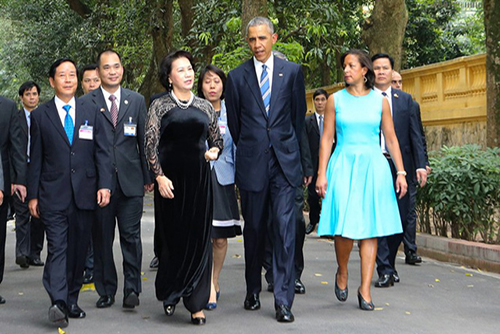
{"x":462,"y":195}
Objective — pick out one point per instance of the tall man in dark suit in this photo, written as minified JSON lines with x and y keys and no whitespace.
{"x":29,"y":230}
{"x":69,"y":173}
{"x":406,"y":125}
{"x":314,"y":130}
{"x":265,"y":100}
{"x":125,"y":114}
{"x":409,"y":239}
{"x":13,"y":165}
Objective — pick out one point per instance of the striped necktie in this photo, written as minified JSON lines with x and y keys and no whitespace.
{"x":69,"y":127}
{"x":321,"y":125}
{"x":114,"y":110}
{"x":265,"y":88}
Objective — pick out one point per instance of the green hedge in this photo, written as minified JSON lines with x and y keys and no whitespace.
{"x":462,"y":195}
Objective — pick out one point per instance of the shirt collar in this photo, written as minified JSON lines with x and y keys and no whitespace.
{"x":60,"y":103}
{"x":388,"y":91}
{"x":269,"y":63}
{"x":107,"y":94}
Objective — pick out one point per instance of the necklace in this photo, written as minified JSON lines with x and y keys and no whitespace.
{"x":180,"y":104}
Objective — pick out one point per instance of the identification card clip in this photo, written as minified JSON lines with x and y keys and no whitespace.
{"x":86,"y":131}
{"x":130,"y":129}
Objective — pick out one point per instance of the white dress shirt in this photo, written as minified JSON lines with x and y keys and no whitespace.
{"x":60,"y":110}
{"x":270,"y":67}
{"x":117,"y":94}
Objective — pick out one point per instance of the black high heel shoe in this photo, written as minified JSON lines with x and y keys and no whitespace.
{"x":198,"y":320}
{"x":363,"y":304}
{"x":340,"y":294}
{"x":169,"y":309}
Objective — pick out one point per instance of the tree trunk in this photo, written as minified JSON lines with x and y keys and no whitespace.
{"x":249,"y":10}
{"x":187,"y":13}
{"x":326,"y":79}
{"x":385,"y":28}
{"x":162,"y":34}
{"x":492,"y":27}
{"x":80,"y":8}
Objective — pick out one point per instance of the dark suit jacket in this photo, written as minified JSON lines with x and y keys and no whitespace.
{"x":254,"y":132}
{"x":60,"y":173}
{"x":11,"y":147}
{"x":312,"y":130}
{"x":24,"y":130}
{"x":424,"y":141}
{"x":407,"y":125}
{"x":127,"y":153}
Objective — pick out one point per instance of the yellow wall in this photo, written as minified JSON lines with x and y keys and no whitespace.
{"x":452,"y":98}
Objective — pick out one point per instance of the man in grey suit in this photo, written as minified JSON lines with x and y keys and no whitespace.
{"x":13,"y":165}
{"x":125,"y":114}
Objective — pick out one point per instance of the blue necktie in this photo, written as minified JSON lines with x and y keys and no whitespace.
{"x":265,"y":88}
{"x":68,"y":124}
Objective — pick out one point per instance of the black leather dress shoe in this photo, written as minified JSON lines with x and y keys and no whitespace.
{"x":88,"y":277}
{"x":36,"y":262}
{"x":131,"y":300}
{"x":252,"y":302}
{"x":284,"y":314}
{"x":105,"y":301}
{"x":154,"y":263}
{"x":2,"y":300}
{"x":299,"y":287}
{"x":310,"y":228}
{"x":395,"y":277}
{"x":412,"y":258}
{"x":76,"y":312}
{"x":22,"y":261}
{"x":384,"y":281}
{"x":169,"y":309}
{"x":58,"y":314}
{"x":270,"y":287}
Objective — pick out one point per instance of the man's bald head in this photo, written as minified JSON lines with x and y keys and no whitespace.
{"x":397,"y":81}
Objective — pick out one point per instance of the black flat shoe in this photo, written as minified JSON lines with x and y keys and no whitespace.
{"x":22,"y":261}
{"x":88,"y":277}
{"x":76,"y":312}
{"x":385,"y":281}
{"x":198,"y":320}
{"x":299,"y":287}
{"x":284,"y":314}
{"x":154,"y":263}
{"x":340,"y":294}
{"x":252,"y":302}
{"x":169,"y":309}
{"x":2,"y":300}
{"x":270,"y":287}
{"x":363,"y":304}
{"x":105,"y":301}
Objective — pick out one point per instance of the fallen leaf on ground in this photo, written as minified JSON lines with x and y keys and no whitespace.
{"x":379,"y":308}
{"x":408,"y":313}
{"x":318,"y":275}
{"x":236,"y":256}
{"x":60,"y":330}
{"x":437,"y":279}
{"x":324,"y":282}
{"x":469,"y":274}
{"x":470,"y":286}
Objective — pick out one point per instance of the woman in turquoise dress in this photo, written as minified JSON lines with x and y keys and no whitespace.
{"x":359,"y":202}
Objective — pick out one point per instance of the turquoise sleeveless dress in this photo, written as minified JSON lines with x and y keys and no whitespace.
{"x":360,"y":201}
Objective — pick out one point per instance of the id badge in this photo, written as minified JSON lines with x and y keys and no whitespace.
{"x":222,"y":127}
{"x":130,"y":129}
{"x":86,"y":132}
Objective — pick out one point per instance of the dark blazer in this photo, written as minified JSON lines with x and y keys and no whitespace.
{"x":128,"y":158}
{"x":407,"y":126}
{"x":312,"y":130}
{"x":24,"y":129}
{"x":254,"y":132}
{"x":424,"y":141}
{"x":11,"y":146}
{"x":60,"y":172}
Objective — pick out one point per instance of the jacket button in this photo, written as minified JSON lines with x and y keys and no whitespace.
{"x":266,"y":151}
{"x":268,"y":129}
{"x":73,"y":171}
{"x":72,"y":153}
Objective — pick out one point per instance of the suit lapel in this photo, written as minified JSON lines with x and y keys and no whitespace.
{"x":395,"y":106}
{"x":53,"y":115}
{"x":124,"y":103}
{"x":253,"y":85}
{"x":99,"y":101}
{"x":314,"y":124}
{"x":278,"y":77}
{"x":23,"y":121}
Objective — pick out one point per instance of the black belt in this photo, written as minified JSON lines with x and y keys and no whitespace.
{"x":387,"y":155}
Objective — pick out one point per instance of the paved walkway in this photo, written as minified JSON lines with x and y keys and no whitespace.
{"x":431,"y":298}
